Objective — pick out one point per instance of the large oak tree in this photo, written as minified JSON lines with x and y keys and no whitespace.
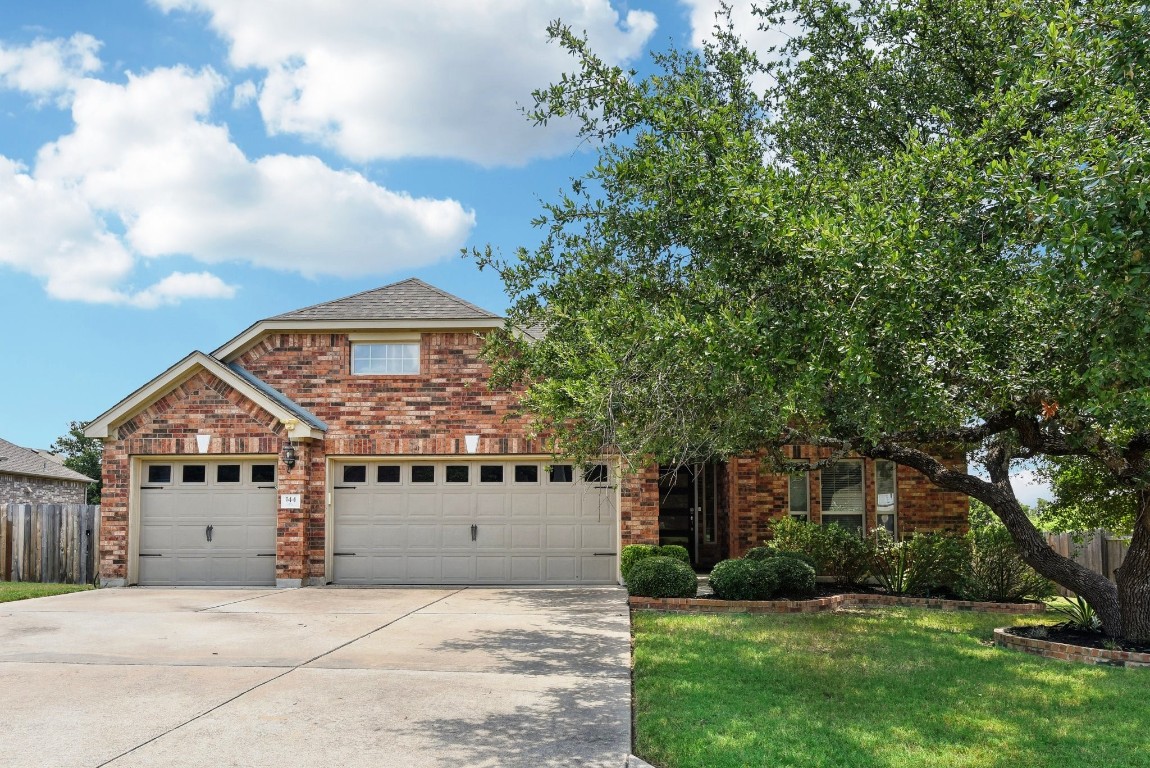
{"x":919,"y":227}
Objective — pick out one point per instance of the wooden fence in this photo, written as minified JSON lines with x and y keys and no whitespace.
{"x":1098,"y":550}
{"x":49,"y":542}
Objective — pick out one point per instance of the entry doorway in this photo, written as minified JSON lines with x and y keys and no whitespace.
{"x":689,"y":510}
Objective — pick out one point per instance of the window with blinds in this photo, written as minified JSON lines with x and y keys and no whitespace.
{"x":842,"y":495}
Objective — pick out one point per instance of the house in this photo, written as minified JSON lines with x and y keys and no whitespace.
{"x":29,"y":476}
{"x":357,"y":442}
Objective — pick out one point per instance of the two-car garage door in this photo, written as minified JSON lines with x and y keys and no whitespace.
{"x":466,"y":522}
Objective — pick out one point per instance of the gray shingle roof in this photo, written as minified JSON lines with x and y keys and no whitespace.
{"x":22,"y":461}
{"x":304,"y":415}
{"x":410,"y":299}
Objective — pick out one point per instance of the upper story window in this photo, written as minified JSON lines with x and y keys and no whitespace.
{"x":384,"y":359}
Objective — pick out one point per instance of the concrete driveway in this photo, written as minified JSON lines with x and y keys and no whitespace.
{"x":316,"y":677}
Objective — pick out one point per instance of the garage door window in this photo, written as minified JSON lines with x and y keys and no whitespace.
{"x":195,"y":473}
{"x":561,"y":473}
{"x":458,"y":474}
{"x":159,"y":473}
{"x":228,"y":473}
{"x":491,"y":473}
{"x":387,"y":473}
{"x":423,"y":473}
{"x":263,"y":473}
{"x":526,"y":473}
{"x":355,"y":473}
{"x":595,"y":473}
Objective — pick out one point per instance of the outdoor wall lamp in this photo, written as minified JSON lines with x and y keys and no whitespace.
{"x":289,"y":449}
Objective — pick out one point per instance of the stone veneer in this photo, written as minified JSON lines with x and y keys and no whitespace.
{"x":30,"y":489}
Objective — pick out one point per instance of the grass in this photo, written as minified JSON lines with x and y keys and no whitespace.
{"x":874,"y":688}
{"x":19,"y":590}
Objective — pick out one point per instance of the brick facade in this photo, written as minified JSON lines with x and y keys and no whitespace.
{"x":29,"y":489}
{"x":424,"y":414}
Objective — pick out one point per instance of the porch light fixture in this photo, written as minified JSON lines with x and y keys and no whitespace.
{"x":289,"y":449}
{"x":203,"y":442}
{"x":471,"y":443}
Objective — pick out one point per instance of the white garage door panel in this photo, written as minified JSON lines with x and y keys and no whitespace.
{"x":178,"y":505}
{"x":509,"y":523}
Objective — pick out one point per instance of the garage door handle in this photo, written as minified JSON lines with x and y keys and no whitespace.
{"x":474,"y":532}
{"x":603,"y":554}
{"x":345,"y":487}
{"x":268,"y":554}
{"x":143,"y":555}
{"x":208,"y":532}
{"x":151,"y":487}
{"x":266,"y":487}
{"x":343,"y":554}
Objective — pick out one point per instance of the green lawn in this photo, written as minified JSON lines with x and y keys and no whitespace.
{"x":17,"y":590}
{"x":894,"y":688}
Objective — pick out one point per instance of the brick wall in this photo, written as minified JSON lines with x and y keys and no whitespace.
{"x":28,"y":489}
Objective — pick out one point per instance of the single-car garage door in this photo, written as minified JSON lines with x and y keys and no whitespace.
{"x":210,"y":523}
{"x":473,"y":522}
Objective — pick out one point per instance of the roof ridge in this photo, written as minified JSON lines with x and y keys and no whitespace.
{"x":345,"y":298}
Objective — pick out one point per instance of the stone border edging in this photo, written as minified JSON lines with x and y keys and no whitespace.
{"x":822,"y":604}
{"x":1064,"y":652}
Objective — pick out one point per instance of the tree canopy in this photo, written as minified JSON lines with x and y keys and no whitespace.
{"x":916,"y":227}
{"x":84,"y":455}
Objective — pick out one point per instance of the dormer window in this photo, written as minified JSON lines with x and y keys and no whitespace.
{"x":384,"y":359}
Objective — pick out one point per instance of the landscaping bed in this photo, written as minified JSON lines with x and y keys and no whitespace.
{"x":828,"y":603}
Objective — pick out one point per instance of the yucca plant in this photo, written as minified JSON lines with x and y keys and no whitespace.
{"x":1079,"y":615}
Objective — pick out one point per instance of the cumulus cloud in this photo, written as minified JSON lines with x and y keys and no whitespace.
{"x":48,"y":68}
{"x":146,"y":174}
{"x":703,"y":19}
{"x":385,"y":79}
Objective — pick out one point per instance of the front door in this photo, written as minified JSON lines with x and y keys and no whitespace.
{"x":689,"y":510}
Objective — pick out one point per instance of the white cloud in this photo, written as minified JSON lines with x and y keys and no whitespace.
{"x":243,"y":94}
{"x":183,"y":285}
{"x":145,"y":174}
{"x":385,"y":79}
{"x":47,"y":68}
{"x":1029,"y":487}
{"x":746,"y":24}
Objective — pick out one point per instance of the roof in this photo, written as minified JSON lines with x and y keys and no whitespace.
{"x":410,"y":299}
{"x":15,"y":460}
{"x":274,"y":402}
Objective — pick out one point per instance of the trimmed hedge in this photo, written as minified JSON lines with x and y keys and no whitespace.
{"x":633,"y":553}
{"x":795,"y":578}
{"x":661,"y":577}
{"x":744,"y":580}
{"x":766,"y":553}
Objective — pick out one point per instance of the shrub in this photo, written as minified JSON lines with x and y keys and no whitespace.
{"x":661,"y":577}
{"x":924,"y":564}
{"x":842,"y":555}
{"x":795,"y":578}
{"x":789,"y":535}
{"x":996,"y":572}
{"x":743,"y":580}
{"x":633,"y":553}
{"x":675,"y":551}
{"x":1079,"y":615}
{"x":766,"y":553}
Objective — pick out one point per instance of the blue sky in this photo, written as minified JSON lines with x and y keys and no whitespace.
{"x":173,"y":170}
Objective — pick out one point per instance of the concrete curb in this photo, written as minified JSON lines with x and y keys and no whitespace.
{"x":635,"y":762}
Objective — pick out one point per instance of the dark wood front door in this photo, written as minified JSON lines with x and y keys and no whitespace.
{"x":689,"y":510}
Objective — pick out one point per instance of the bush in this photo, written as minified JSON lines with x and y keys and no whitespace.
{"x":662,"y":577}
{"x":996,"y":572}
{"x":675,"y":551}
{"x":744,"y":580}
{"x":842,"y":555}
{"x":925,"y":564}
{"x":766,"y":553}
{"x":633,"y":553}
{"x":795,"y":578}
{"x":788,"y":535}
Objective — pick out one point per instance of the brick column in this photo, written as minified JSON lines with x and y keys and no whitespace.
{"x":291,"y":524}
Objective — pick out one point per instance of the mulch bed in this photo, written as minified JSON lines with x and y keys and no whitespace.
{"x":1067,"y":636}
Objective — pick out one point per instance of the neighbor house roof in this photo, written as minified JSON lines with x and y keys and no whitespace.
{"x":15,"y":460}
{"x":409,"y":305}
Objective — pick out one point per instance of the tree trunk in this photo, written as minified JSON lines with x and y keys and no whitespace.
{"x":1134,"y":577}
